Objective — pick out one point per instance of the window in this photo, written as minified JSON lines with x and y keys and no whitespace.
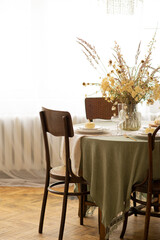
{"x":41,"y":62}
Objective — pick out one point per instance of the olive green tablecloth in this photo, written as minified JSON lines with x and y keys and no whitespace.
{"x":111,"y":165}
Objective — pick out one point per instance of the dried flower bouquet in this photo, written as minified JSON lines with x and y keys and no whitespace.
{"x":121,"y":83}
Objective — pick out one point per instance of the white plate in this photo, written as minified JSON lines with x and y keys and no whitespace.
{"x":90,"y":130}
{"x":143,"y":135}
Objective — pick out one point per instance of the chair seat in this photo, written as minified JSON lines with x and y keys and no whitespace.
{"x":143,"y":188}
{"x":58,"y":171}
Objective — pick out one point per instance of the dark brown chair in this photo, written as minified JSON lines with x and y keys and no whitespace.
{"x":149,"y":186}
{"x":59,"y":124}
{"x":98,"y":108}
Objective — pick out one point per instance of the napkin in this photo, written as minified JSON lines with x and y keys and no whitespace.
{"x":75,"y":152}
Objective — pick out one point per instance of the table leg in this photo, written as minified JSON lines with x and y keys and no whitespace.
{"x":102,"y":230}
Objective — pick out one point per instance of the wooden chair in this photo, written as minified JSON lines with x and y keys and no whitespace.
{"x":149,"y":186}
{"x":59,"y":124}
{"x":98,"y":108}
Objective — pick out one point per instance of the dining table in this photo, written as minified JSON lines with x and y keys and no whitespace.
{"x":112,"y":163}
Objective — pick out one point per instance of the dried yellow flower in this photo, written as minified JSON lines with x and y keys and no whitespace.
{"x":138,"y":89}
{"x":110,"y":62}
{"x":133,"y":94}
{"x":113,"y":108}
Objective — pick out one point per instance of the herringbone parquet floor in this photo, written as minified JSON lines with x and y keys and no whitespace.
{"x":20,"y":210}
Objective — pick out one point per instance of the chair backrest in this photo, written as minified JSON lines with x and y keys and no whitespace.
{"x":54,"y":122}
{"x":151,"y":147}
{"x":98,"y":108}
{"x":57,"y":123}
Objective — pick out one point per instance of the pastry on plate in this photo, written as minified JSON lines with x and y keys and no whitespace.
{"x":155,"y":123}
{"x":89,"y":125}
{"x":149,"y":130}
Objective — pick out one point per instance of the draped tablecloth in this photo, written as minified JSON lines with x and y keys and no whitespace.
{"x":111,"y":165}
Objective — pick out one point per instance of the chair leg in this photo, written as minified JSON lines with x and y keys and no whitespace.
{"x":134,"y":203}
{"x":156,"y":208}
{"x":45,"y":195}
{"x":82,"y":188}
{"x":82,"y":206}
{"x":81,"y":209}
{"x":147,"y":218}
{"x":124,"y":225}
{"x":64,"y":208}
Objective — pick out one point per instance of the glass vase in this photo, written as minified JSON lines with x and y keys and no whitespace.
{"x":131,"y":117}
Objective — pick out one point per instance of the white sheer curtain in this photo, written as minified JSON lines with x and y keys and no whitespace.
{"x":41,"y":64}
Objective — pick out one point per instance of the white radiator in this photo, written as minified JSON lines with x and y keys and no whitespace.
{"x":22,"y":147}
